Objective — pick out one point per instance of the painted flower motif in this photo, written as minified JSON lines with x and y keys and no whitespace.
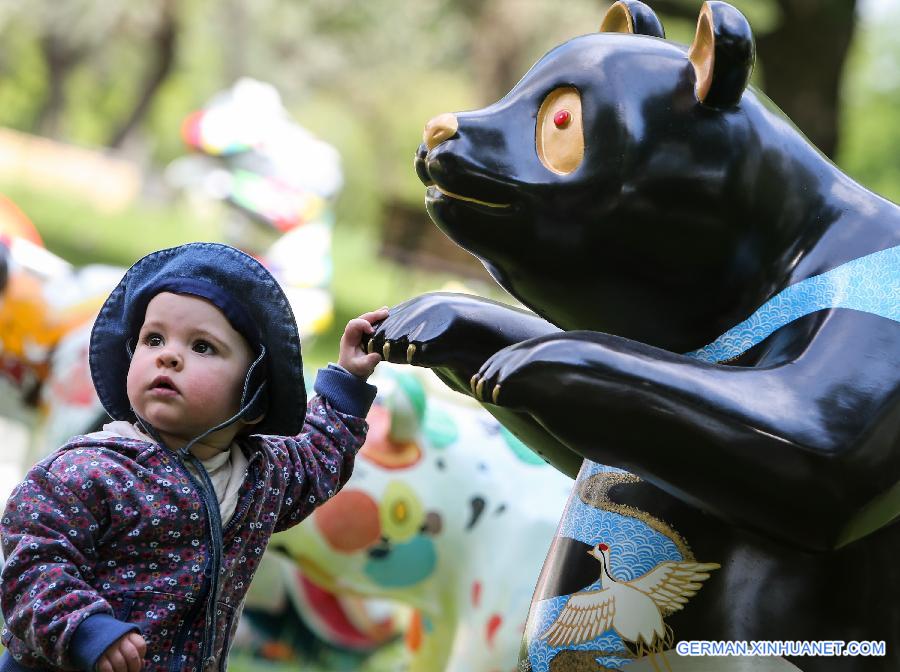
{"x":401,"y":512}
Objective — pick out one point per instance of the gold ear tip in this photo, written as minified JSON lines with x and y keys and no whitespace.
{"x":617,"y":20}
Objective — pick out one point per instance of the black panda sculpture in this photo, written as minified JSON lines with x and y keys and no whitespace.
{"x":714,"y":349}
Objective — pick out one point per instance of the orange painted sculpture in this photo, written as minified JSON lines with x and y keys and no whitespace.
{"x":47,"y":307}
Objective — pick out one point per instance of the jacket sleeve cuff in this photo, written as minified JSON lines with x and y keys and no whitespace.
{"x":94,"y":636}
{"x":347,"y":393}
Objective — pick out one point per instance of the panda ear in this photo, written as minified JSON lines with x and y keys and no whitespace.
{"x":722,"y":54}
{"x":631,"y":16}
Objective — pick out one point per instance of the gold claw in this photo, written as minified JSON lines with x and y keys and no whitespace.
{"x":370,"y":348}
{"x":473,"y":381}
{"x":386,"y":351}
{"x":479,"y":387}
{"x":410,"y":351}
{"x":495,"y":395}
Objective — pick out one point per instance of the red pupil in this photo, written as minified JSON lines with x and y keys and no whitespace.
{"x":561,"y":118}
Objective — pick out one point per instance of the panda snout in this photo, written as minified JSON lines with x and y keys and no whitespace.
{"x":440,"y":128}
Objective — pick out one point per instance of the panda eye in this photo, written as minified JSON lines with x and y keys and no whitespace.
{"x":560,"y":132}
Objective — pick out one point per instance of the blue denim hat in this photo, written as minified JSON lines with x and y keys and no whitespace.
{"x":248,"y":295}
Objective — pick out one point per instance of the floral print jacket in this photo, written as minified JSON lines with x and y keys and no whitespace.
{"x":110,"y":535}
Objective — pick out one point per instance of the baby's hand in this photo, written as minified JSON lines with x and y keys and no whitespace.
{"x":126,"y":654}
{"x":353,"y":356}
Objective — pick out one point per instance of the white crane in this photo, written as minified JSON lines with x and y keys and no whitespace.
{"x":634,"y":609}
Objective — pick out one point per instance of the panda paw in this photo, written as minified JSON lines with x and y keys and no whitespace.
{"x":438,"y":330}
{"x":521,"y":374}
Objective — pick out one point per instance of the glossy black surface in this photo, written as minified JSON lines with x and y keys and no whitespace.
{"x":682,"y":219}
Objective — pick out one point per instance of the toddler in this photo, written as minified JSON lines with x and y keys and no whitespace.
{"x":133,"y":548}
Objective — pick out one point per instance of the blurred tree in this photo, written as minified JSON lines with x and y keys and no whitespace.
{"x":60,"y":57}
{"x":366,"y":76}
{"x":76,"y":35}
{"x":507,"y":36}
{"x":871,"y":97}
{"x":163,"y":41}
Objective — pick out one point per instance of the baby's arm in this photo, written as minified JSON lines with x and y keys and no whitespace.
{"x":321,"y":457}
{"x":50,"y":537}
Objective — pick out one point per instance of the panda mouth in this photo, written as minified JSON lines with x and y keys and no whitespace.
{"x":469,"y":199}
{"x":437,"y":192}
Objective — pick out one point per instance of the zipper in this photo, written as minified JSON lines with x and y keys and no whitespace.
{"x":211,"y":570}
{"x":213,"y":516}
{"x":245,"y":504}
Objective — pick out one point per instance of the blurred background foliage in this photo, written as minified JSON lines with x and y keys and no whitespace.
{"x":121,"y":75}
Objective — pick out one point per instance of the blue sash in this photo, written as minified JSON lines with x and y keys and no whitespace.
{"x":870,"y":284}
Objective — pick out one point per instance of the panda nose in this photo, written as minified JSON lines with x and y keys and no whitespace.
{"x":440,"y":128}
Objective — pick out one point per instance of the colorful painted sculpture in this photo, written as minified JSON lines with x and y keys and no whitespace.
{"x":446,"y":512}
{"x":716,"y":332}
{"x":281,"y":183}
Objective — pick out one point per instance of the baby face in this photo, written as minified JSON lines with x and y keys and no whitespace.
{"x":188,"y":369}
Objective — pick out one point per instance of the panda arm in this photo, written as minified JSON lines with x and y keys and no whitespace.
{"x":756,"y":447}
{"x":453,"y":333}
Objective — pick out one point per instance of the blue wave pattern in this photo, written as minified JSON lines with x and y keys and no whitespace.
{"x":635,"y":549}
{"x":870,"y":284}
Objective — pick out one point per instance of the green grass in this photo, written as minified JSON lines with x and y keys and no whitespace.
{"x":81,"y":234}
